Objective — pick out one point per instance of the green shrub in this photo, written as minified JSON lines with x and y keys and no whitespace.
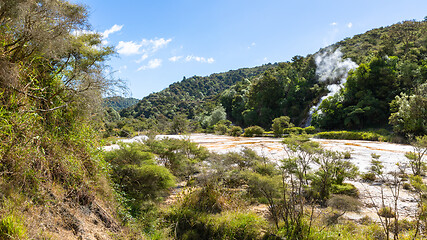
{"x":310,"y":130}
{"x":279,"y":124}
{"x":179,"y":156}
{"x":347,"y":155}
{"x":238,"y":225}
{"x":407,"y":186}
{"x":345,"y":189}
{"x":254,"y":131}
{"x":126,"y":131}
{"x":386,"y":212}
{"x":11,"y":228}
{"x":235,"y":131}
{"x":220,"y":128}
{"x":353,"y":135}
{"x":190,"y":224}
{"x":293,"y":130}
{"x":344,"y":203}
{"x":369,"y":177}
{"x":136,"y":176}
{"x":207,"y":200}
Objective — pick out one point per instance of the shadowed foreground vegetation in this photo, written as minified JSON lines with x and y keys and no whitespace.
{"x":245,"y":196}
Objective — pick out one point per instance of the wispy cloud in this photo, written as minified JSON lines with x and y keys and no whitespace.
{"x":145,"y":46}
{"x":252,"y":45}
{"x":175,"y":58}
{"x":333,"y":24}
{"x":155,"y":44}
{"x":128,"y":48}
{"x":349,"y":25}
{"x":113,"y":29}
{"x":154,"y":63}
{"x":190,"y":58}
{"x":142,"y":58}
{"x":104,"y":35}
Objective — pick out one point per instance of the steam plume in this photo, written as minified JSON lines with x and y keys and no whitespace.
{"x":332,"y":69}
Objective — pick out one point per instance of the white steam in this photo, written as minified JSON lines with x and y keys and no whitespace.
{"x":332,"y":69}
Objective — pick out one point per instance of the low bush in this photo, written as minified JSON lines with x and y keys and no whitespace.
{"x":369,"y":177}
{"x":126,"y":131}
{"x":136,"y":175}
{"x":299,"y":130}
{"x":293,"y":130}
{"x":220,"y":129}
{"x":347,"y":154}
{"x":386,"y":212}
{"x":235,"y":131}
{"x":190,"y":224}
{"x":344,"y":203}
{"x":256,"y":131}
{"x":345,"y":189}
{"x":207,"y":199}
{"x":355,"y":135}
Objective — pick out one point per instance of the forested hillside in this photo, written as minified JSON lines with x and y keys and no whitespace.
{"x":378,"y":72}
{"x":389,"y":86}
{"x":118,"y":103}
{"x":187,"y":95}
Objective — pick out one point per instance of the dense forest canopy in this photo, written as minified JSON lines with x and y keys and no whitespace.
{"x":186,"y":96}
{"x":390,"y":61}
{"x":118,"y":103}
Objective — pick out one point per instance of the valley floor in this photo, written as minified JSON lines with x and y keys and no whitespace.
{"x":274,"y":149}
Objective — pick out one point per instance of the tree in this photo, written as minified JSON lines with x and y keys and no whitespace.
{"x":409,"y":115}
{"x":416,"y":158}
{"x":279,"y":124}
{"x":179,"y":124}
{"x":333,"y":169}
{"x":217,"y":115}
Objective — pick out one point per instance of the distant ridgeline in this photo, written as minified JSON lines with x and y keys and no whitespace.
{"x":118,"y":103}
{"x":188,"y":95}
{"x":388,"y":71}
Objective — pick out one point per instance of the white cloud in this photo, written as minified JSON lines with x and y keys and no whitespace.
{"x":199,"y":59}
{"x":128,"y":48}
{"x":154,"y":63}
{"x":334,"y":24}
{"x":146,"y":46}
{"x":143,"y":57}
{"x":104,"y":34}
{"x":113,"y":29}
{"x":252,"y":45}
{"x":349,"y":25}
{"x":155,"y":44}
{"x":175,"y":58}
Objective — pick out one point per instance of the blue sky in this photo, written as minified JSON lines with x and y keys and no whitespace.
{"x":159,"y":42}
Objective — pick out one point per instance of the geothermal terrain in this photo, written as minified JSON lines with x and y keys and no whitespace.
{"x":274,"y":149}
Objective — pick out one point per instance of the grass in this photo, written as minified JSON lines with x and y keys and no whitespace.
{"x":12,"y":227}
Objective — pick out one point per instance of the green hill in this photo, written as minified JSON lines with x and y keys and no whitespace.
{"x":187,"y":95}
{"x":391,"y":60}
{"x":118,"y":103}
